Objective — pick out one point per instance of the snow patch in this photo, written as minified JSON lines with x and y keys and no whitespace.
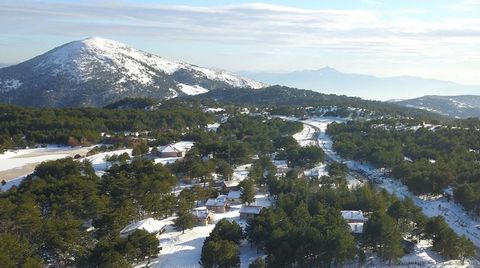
{"x":192,"y":90}
{"x":10,"y":85}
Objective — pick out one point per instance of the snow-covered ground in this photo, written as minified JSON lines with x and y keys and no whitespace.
{"x":454,"y":214}
{"x":16,"y":165}
{"x":241,"y":172}
{"x":305,"y":137}
{"x":421,"y":256}
{"x":29,"y":156}
{"x":13,"y":182}
{"x":184,"y":250}
{"x":19,"y":158}
{"x":99,"y":162}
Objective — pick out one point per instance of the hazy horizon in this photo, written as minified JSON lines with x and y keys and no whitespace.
{"x":437,"y":40}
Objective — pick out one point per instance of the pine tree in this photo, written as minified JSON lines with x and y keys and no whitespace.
{"x":185,"y":219}
{"x":465,"y":247}
{"x":247,"y":190}
{"x":146,"y":245}
{"x":220,"y":253}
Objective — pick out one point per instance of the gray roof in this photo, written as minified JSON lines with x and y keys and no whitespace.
{"x":355,"y":215}
{"x":251,"y":209}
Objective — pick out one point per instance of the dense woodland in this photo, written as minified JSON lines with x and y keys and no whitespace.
{"x":44,"y":220}
{"x":20,"y":127}
{"x":427,"y":159}
{"x":305,"y":229}
{"x":292,"y":101}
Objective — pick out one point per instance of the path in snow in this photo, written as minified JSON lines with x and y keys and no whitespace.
{"x":453,"y":213}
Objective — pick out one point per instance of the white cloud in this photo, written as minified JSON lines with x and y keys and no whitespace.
{"x":391,"y":35}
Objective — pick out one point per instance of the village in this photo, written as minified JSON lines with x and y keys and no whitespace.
{"x":183,"y":248}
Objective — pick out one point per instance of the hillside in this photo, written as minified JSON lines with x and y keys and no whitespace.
{"x":462,"y":106}
{"x":96,"y":72}
{"x":281,"y":96}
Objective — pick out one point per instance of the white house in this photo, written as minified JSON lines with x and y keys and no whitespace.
{"x":355,"y":220}
{"x":178,"y":149}
{"x":150,"y":225}
{"x":170,"y":151}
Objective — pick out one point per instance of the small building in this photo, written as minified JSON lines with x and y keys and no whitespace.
{"x":231,"y":185}
{"x":203,"y":216}
{"x":150,"y":225}
{"x":355,"y":220}
{"x":234,"y":197}
{"x":217,"y":205}
{"x":248,"y":212}
{"x":169,"y":151}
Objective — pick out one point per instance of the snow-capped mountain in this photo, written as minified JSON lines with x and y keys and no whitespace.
{"x":462,"y":106}
{"x":97,"y":71}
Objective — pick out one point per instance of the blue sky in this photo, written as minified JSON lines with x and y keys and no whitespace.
{"x":434,"y":39}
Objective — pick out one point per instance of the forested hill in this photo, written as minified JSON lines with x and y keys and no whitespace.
{"x":462,"y":106}
{"x":277,"y":96}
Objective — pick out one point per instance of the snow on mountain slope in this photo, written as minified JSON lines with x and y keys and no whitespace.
{"x":192,"y":90}
{"x":97,"y":71}
{"x":462,"y":106}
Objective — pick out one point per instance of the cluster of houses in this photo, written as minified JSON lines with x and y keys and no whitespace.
{"x":222,"y":203}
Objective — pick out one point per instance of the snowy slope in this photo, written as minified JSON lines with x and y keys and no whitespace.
{"x":461,"y":106}
{"x":97,"y":71}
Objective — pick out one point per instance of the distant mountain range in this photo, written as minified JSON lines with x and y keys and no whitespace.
{"x":97,"y":71}
{"x":329,"y":80}
{"x":462,"y":106}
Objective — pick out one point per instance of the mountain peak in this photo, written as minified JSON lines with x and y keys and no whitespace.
{"x":96,"y":71}
{"x":328,"y":69}
{"x":101,"y":43}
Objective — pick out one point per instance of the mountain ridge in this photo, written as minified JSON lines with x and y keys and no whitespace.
{"x":330,"y":80}
{"x":458,"y":106}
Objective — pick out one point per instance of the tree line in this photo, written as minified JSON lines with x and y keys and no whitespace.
{"x":22,"y":126}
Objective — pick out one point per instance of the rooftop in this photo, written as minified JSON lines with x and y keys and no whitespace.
{"x":356,"y":215}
